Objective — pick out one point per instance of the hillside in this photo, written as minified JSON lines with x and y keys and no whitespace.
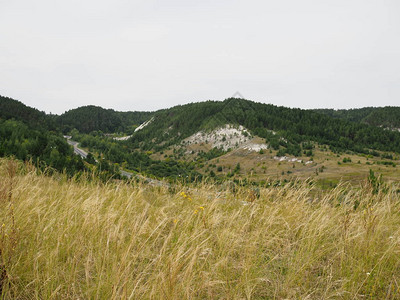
{"x":386,"y":117}
{"x":283,"y":128}
{"x":239,"y":139}
{"x":94,"y":118}
{"x":13,"y":109}
{"x":28,"y":134}
{"x":234,"y":139}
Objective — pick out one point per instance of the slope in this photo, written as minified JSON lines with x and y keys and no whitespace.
{"x":14,"y":109}
{"x":94,"y":118}
{"x":283,"y":128}
{"x":387,"y":117}
{"x":28,"y":134}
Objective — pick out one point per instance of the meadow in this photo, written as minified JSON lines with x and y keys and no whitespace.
{"x":64,"y":238}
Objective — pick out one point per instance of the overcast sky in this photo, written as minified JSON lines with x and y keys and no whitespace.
{"x":151,"y":54}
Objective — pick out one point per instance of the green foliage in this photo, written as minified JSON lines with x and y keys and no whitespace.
{"x":237,"y":168}
{"x":281,"y":152}
{"x":283,"y":128}
{"x":93,"y":118}
{"x":42,"y":147}
{"x":27,"y":134}
{"x":387,"y":117}
{"x":213,"y":153}
{"x":387,"y":156}
{"x":386,"y":163}
{"x":119,"y":152}
{"x":307,"y":145}
{"x":13,"y":109}
{"x":346,"y":160}
{"x":376,"y":183}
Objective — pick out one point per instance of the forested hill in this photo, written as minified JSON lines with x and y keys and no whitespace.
{"x":280,"y":126}
{"x":284,"y":129}
{"x":13,"y":109}
{"x":387,"y":117}
{"x":94,"y":118}
{"x":28,"y":134}
{"x":24,"y":135}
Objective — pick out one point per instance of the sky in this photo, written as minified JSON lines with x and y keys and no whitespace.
{"x":152,"y":54}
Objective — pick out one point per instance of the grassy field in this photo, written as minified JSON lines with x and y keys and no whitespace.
{"x":80,"y":239}
{"x":325,"y":167}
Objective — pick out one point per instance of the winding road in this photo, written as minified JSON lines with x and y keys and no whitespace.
{"x":84,"y":154}
{"x":77,"y":150}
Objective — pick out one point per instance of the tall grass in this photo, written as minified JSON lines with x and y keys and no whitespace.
{"x":76,"y":239}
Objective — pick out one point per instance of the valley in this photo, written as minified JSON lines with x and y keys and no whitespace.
{"x":233,"y":140}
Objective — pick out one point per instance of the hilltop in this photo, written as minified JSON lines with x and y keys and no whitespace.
{"x":94,"y":118}
{"x":386,"y":117}
{"x":16,"y":110}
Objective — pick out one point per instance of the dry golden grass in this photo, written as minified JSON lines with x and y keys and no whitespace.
{"x":69,"y":239}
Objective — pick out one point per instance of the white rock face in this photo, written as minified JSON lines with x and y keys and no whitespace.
{"x":225,"y":137}
{"x":122,"y":138}
{"x":254,"y":147}
{"x":143,"y":125}
{"x":288,"y":159}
